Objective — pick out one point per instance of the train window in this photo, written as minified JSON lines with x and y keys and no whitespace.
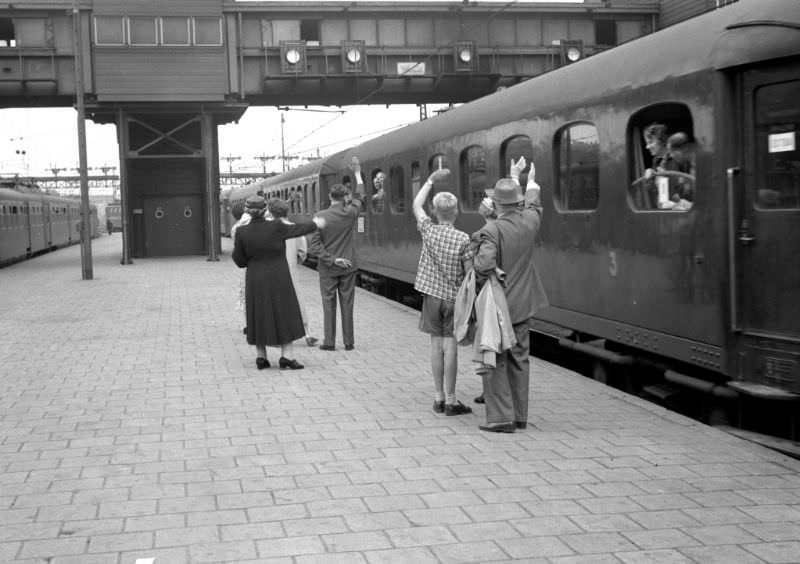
{"x":142,"y":30}
{"x":514,"y":148}
{"x":577,"y":167}
{"x":662,"y":158}
{"x":313,"y":199}
{"x":777,"y":153}
{"x":397,"y":189}
{"x":378,"y":190}
{"x":175,"y":30}
{"x":207,"y":31}
{"x":109,"y":30}
{"x":473,"y":177}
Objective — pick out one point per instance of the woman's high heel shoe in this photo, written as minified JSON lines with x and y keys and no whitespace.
{"x":284,"y":362}
{"x":262,"y":363}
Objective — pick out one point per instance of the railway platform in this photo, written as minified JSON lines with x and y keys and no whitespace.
{"x":136,"y":429}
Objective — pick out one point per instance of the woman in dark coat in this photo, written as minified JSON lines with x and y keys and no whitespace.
{"x":273,"y":313}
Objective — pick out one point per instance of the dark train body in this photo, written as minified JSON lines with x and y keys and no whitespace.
{"x":707,"y":292}
{"x":32,"y":222}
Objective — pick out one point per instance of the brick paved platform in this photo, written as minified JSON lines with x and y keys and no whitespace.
{"x":135,"y":429}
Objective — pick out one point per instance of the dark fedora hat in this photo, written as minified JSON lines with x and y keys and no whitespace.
{"x":506,"y":191}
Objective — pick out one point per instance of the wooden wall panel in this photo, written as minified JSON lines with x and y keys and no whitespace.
{"x":148,"y":74}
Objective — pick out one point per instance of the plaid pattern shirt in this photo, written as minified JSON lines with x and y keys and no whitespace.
{"x":440,"y":271}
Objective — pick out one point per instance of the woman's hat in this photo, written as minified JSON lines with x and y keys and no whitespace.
{"x":255,"y":203}
{"x":506,"y":191}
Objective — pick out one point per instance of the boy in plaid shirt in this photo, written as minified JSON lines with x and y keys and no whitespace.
{"x":443,"y":261}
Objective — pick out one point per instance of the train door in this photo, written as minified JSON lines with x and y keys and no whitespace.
{"x":765,"y":234}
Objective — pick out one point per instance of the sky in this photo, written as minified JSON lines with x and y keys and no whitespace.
{"x":35,"y":140}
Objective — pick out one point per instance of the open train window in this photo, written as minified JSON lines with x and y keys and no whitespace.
{"x":397,"y":189}
{"x":473,"y":177}
{"x":514,"y":148}
{"x":662,"y":158}
{"x":777,"y":152}
{"x":378,"y":195}
{"x":577,"y":155}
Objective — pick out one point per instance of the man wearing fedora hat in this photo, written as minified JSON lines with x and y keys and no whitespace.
{"x":508,"y":244}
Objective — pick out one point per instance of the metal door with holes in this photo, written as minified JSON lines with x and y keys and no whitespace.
{"x":765,"y":238}
{"x":173,"y":225}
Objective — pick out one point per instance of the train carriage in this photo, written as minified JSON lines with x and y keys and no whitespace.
{"x":701,"y":284}
{"x":33,"y":222}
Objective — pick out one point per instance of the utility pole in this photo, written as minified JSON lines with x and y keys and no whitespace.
{"x":80,"y":104}
{"x":230,"y":159}
{"x":283,"y":147}
{"x":264,"y":158}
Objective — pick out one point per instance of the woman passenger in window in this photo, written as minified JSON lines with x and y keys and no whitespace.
{"x":655,"y":139}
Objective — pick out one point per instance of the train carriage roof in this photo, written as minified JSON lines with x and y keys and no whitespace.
{"x":742,"y":33}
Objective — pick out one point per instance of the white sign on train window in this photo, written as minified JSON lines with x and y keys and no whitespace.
{"x":781,"y":142}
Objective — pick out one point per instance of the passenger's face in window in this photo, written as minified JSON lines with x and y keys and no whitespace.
{"x":654,"y":145}
{"x":379,"y":179}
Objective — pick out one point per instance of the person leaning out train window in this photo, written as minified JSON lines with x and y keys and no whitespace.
{"x":378,"y":199}
{"x":669,"y":180}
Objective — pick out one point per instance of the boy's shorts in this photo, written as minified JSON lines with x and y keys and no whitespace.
{"x":436,"y":318}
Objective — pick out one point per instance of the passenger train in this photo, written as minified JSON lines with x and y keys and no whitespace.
{"x":33,"y":222}
{"x":701,"y":290}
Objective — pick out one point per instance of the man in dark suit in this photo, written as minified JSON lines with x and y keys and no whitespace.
{"x":337,"y":259}
{"x":508,"y":244}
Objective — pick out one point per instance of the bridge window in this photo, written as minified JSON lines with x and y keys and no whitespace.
{"x":473,"y":177}
{"x":577,"y":167}
{"x":142,"y":30}
{"x":175,"y":30}
{"x":7,"y":37}
{"x":207,"y":31}
{"x":397,"y":189}
{"x":661,"y":151}
{"x":309,"y":31}
{"x":605,"y":32}
{"x":514,"y":148}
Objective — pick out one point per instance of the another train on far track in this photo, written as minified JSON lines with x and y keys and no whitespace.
{"x":33,"y":222}
{"x":701,"y":290}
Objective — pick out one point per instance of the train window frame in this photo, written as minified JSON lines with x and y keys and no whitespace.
{"x":396,"y":189}
{"x":508,"y":151}
{"x":139,"y":24}
{"x":472,"y":178}
{"x":775,"y":139}
{"x":653,"y":196}
{"x":563,"y":186}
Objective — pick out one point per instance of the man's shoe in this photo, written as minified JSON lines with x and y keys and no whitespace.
{"x":498,"y":427}
{"x":349,"y":347}
{"x":479,"y":399}
{"x":327,"y":348}
{"x":456,"y":409}
{"x":521,"y":424}
{"x":438,"y":406}
{"x":311,"y":341}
